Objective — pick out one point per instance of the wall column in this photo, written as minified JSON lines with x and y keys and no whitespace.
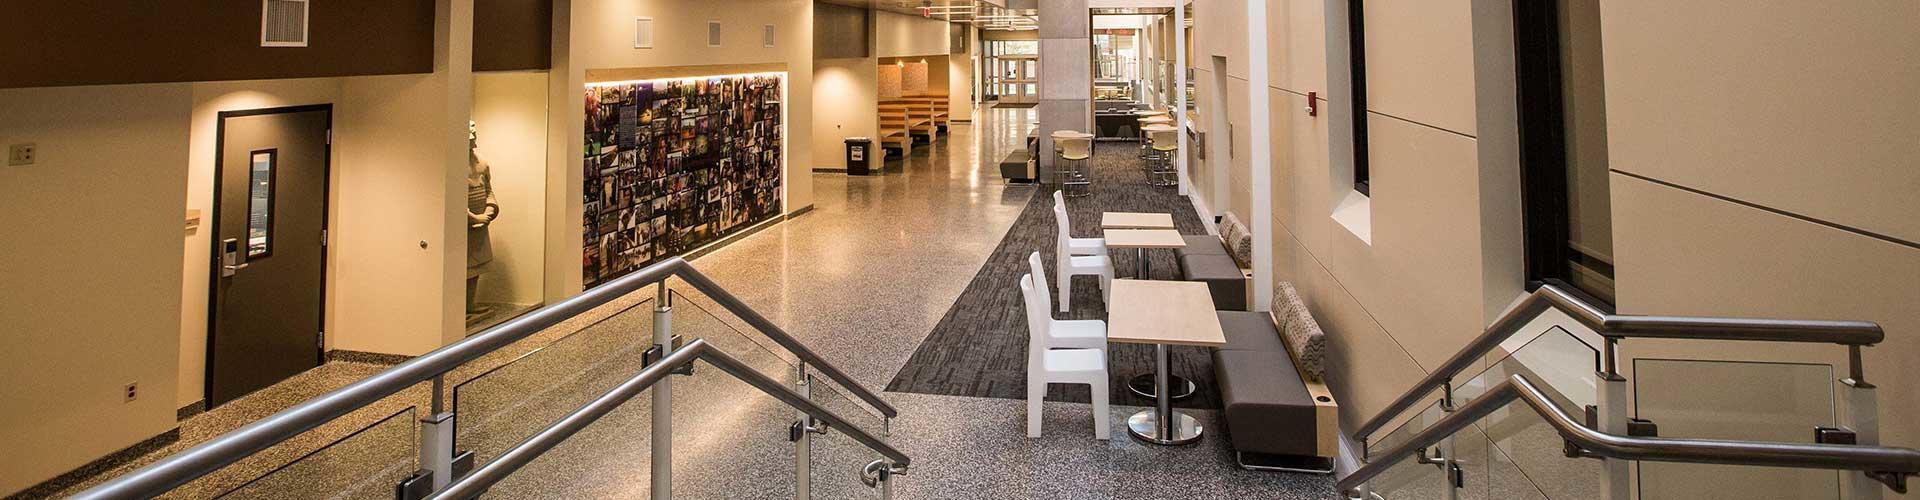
{"x":1260,"y":154}
{"x":1066,"y":72}
{"x":1180,"y":91}
{"x":566,"y":112}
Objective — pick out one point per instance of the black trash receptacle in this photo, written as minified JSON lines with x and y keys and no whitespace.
{"x":859,"y":155}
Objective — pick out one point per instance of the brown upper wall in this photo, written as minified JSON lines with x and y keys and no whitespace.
{"x":103,"y":42}
{"x":512,"y":35}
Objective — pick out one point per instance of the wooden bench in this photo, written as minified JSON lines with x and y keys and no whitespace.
{"x":895,"y":131}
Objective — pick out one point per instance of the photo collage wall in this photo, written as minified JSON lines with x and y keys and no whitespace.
{"x":675,"y":164}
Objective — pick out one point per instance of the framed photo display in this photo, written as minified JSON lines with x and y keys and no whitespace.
{"x":675,"y":164}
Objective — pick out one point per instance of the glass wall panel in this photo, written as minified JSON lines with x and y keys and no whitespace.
{"x":506,"y":196}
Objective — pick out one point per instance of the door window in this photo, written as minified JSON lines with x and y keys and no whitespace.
{"x":260,"y":203}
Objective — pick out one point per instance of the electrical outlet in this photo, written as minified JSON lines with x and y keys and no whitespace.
{"x":133,"y":392}
{"x":20,"y":154}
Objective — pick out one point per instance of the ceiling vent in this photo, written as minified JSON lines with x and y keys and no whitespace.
{"x":643,"y":32}
{"x":713,"y":33}
{"x":283,"y":23}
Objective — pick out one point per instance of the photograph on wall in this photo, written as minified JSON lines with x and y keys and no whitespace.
{"x":672,"y":165}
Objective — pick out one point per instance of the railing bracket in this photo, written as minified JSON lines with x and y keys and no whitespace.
{"x":1894,"y":480}
{"x":1640,"y":427}
{"x":1834,"y":435}
{"x":652,"y":355}
{"x":798,"y":428}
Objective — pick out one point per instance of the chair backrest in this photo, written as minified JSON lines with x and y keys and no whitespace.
{"x":1059,"y":200}
{"x":1036,"y":325}
{"x":1075,"y":147}
{"x":1039,"y":273}
{"x":1163,"y":139}
{"x":1302,"y":334}
{"x":1060,"y":219}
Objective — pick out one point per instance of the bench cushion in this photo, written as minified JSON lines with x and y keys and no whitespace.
{"x":1222,"y":276}
{"x":1201,"y":244}
{"x":1300,"y":332}
{"x":1267,"y":408}
{"x":1250,"y":331}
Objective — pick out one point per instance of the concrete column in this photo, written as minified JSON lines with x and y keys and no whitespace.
{"x":1066,"y":73}
{"x":1260,"y":154}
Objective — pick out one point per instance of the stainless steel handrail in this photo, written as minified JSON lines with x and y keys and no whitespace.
{"x":1592,"y":443}
{"x":228,"y":448}
{"x":477,"y":482}
{"x":1853,"y":334}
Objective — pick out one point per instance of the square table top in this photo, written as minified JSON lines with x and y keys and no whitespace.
{"x":1135,"y":220}
{"x":1144,"y":238}
{"x":1163,"y":312}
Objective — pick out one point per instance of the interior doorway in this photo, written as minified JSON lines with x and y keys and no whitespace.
{"x":266,"y":298}
{"x":1563,"y":146}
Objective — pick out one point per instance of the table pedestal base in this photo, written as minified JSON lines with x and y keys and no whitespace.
{"x":1145,"y":426}
{"x":1142,"y":385}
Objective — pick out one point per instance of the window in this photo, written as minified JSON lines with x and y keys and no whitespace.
{"x":1357,"y":56}
{"x":1563,"y":154}
{"x":260,"y":202}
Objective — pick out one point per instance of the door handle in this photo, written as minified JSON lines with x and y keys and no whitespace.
{"x":231,"y":260}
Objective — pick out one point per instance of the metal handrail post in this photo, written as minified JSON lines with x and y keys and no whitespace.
{"x":803,"y":439}
{"x":663,"y":397}
{"x":1861,"y":414}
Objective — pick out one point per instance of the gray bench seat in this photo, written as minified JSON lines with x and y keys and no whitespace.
{"x":1274,"y":402}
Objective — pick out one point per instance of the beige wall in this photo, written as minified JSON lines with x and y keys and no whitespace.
{"x":1735,"y":193}
{"x":1727,"y":113}
{"x":960,"y":84}
{"x":844,"y":99}
{"x":93,"y":292}
{"x":387,"y":292}
{"x":900,"y":35}
{"x":599,"y":36}
{"x":510,"y":110}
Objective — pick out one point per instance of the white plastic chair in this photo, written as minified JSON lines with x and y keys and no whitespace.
{"x":1070,"y":265}
{"x":1065,"y":334}
{"x":1078,"y":246}
{"x":1059,"y":366}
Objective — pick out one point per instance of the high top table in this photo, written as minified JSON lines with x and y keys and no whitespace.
{"x":1163,"y":313}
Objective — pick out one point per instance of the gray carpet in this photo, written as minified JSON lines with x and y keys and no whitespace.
{"x":979,"y":348}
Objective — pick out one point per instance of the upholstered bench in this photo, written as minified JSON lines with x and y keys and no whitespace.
{"x":1278,"y":413}
{"x":1217,"y":261}
{"x":1017,"y":167}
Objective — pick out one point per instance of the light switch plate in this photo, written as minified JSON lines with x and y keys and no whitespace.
{"x":21,"y":154}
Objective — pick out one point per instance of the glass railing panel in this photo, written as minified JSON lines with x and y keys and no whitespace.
{"x":1780,"y":402}
{"x":365,"y":464}
{"x":697,"y":317}
{"x":1526,"y":458}
{"x":730,"y":439}
{"x":611,"y":458}
{"x":509,"y":403}
{"x":837,"y":459}
{"x":1407,"y":479}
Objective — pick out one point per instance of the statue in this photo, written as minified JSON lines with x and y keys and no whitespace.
{"x":482,"y":209}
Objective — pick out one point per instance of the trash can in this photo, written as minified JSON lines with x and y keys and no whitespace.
{"x":859,"y":155}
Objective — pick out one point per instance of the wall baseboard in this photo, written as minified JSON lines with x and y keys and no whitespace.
{"x":1206,"y":215}
{"x":373,"y":358}
{"x":191,"y":409}
{"x":81,"y":474}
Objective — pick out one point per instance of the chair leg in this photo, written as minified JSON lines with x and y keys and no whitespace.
{"x":1100,"y":414}
{"x":1106,"y":285}
{"x":1066,"y":289}
{"x":1036,"y":392}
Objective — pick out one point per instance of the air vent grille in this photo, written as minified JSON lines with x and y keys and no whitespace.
{"x":643,"y":32}
{"x":283,"y":23}
{"x":713,"y":33}
{"x":766,"y":36}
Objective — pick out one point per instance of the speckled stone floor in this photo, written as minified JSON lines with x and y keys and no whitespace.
{"x":861,"y":279}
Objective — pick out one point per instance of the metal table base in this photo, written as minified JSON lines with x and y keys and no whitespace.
{"x":1161,"y":424}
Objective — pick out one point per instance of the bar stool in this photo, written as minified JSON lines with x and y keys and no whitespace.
{"x":1069,"y":170}
{"x":1143,"y":117}
{"x":1166,"y":144}
{"x":1149,"y":121}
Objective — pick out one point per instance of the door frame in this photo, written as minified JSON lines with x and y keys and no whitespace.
{"x":213,"y":269}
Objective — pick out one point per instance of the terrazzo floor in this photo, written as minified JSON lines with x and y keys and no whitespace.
{"x":861,"y":279}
